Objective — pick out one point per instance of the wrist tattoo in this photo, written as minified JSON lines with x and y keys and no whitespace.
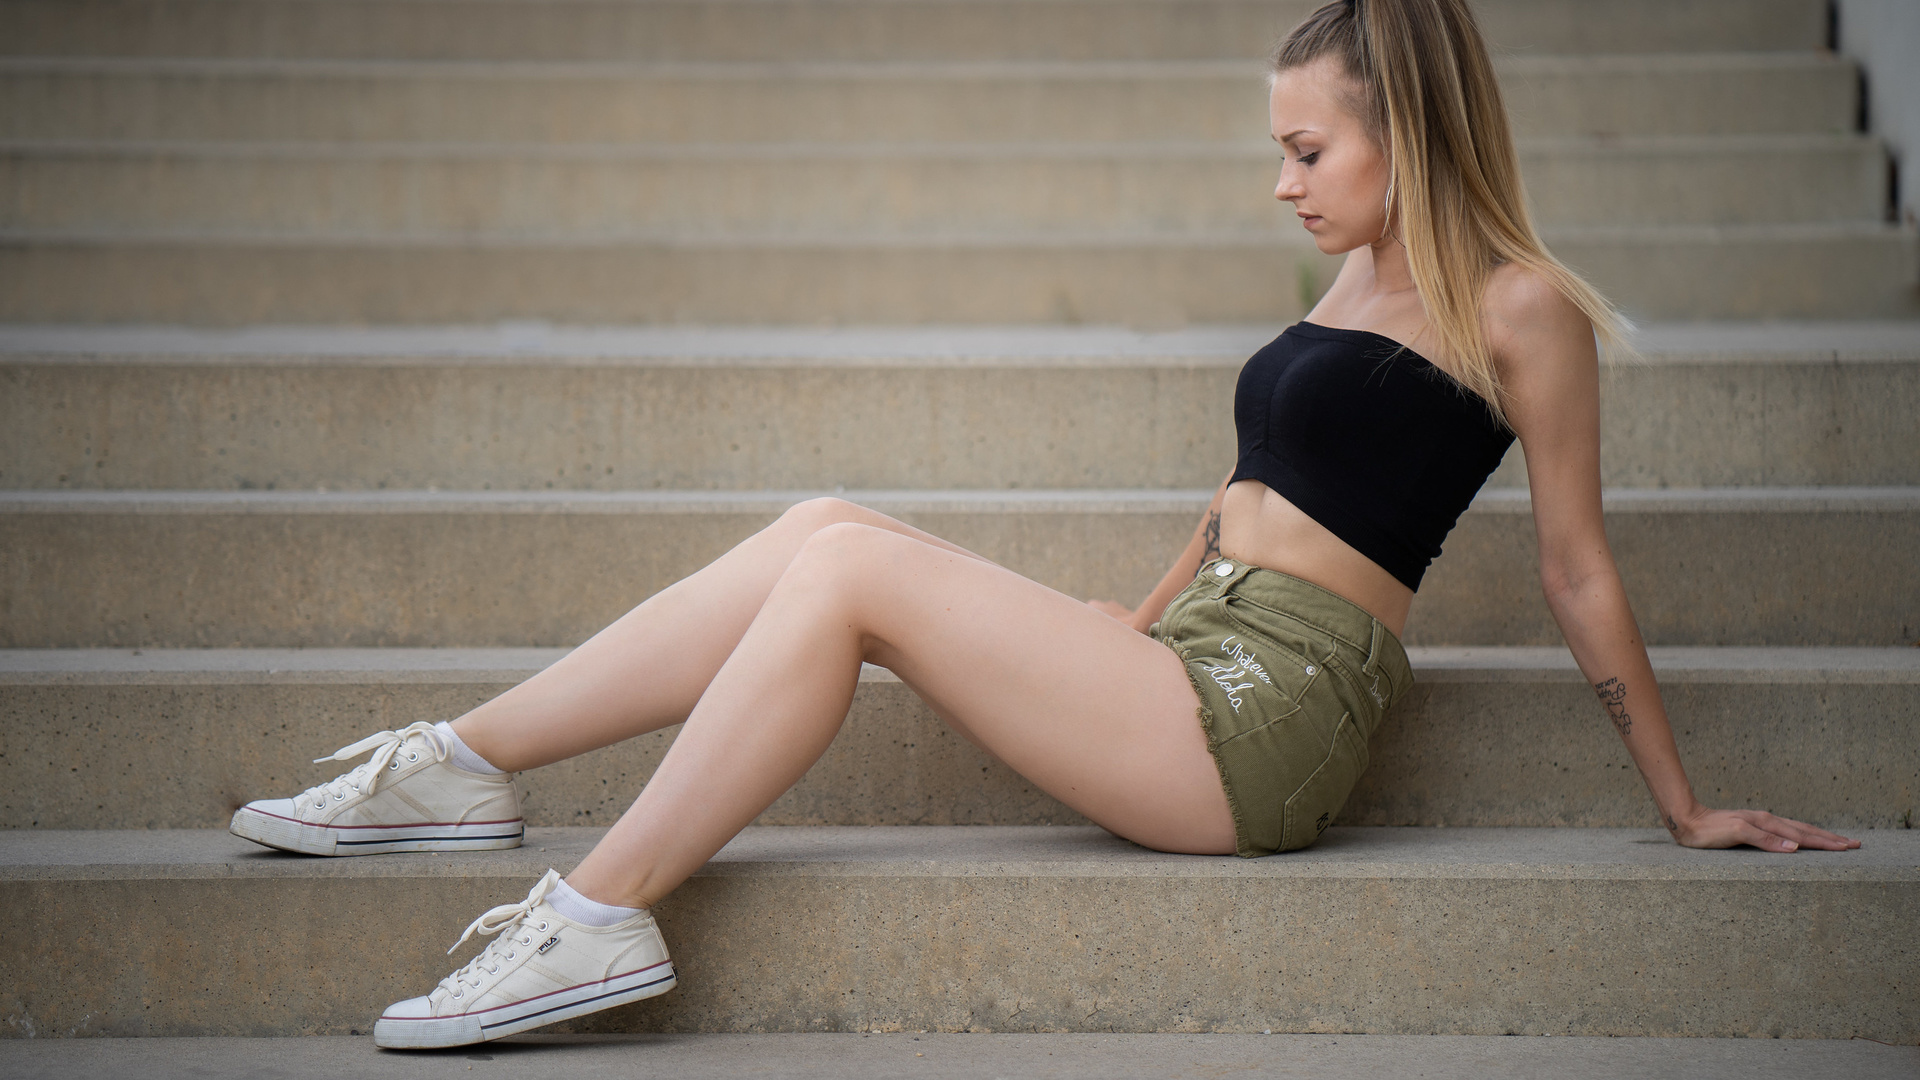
{"x":1613,"y":695}
{"x":1212,"y":538}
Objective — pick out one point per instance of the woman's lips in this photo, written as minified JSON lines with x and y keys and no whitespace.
{"x":1309,"y":220}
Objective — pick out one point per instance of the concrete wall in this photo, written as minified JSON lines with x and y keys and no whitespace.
{"x":1884,"y":36}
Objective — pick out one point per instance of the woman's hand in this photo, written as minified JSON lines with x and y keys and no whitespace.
{"x":1731,"y":828}
{"x":1108,"y":607}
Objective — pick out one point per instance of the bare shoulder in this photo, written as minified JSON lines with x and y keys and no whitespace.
{"x":1529,"y":320}
{"x":1543,"y":346}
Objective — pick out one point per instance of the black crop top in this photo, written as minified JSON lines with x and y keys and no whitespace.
{"x":1367,"y":438}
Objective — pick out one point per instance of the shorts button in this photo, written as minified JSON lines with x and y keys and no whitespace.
{"x":1225,"y":569}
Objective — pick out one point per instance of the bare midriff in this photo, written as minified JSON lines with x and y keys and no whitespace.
{"x":1261,"y":528}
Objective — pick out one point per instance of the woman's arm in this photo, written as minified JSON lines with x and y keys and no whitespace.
{"x":1204,"y":545}
{"x":1550,"y":366}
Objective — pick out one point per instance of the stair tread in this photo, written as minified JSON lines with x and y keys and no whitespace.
{"x":916,"y":70}
{"x":1822,"y":499}
{"x":532,"y":342}
{"x":940,"y":30}
{"x":1506,"y":663}
{"x":959,"y":237}
{"x":900,"y":1052}
{"x":147,"y":149}
{"x":994,"y":851}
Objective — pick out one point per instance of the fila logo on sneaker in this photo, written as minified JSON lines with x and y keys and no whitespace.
{"x":550,"y":943}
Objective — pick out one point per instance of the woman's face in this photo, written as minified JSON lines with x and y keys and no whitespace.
{"x":1334,"y":174}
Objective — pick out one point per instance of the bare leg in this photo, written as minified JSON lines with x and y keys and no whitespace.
{"x":646,"y":670}
{"x":1099,"y":716}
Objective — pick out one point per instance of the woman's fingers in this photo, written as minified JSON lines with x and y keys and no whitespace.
{"x":1732,"y":828}
{"x":1804,"y":834}
{"x":1749,"y":833}
{"x":1757,"y":828}
{"x":1720,"y":829}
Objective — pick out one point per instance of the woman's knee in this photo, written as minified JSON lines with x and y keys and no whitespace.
{"x":842,"y":545}
{"x":843,"y":558}
{"x":813,"y":515}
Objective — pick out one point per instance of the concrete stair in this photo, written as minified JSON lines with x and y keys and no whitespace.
{"x":455,"y":306}
{"x":1524,"y":931}
{"x":1490,"y":736}
{"x":163,"y":189}
{"x":836,"y":102}
{"x":870,"y":1055}
{"x":1148,"y":280}
{"x":845,"y":29}
{"x":1076,"y":184}
{"x":535,"y":407}
{"x":1759,"y":566}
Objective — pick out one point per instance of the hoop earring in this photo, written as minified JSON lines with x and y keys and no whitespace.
{"x":1386,"y":225}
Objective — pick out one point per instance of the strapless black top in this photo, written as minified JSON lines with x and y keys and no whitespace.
{"x":1366,"y":437}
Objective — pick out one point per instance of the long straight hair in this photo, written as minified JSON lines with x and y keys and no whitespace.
{"x":1428,"y":94}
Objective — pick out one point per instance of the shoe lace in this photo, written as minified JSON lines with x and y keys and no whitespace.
{"x":365,"y":777}
{"x":504,"y":917}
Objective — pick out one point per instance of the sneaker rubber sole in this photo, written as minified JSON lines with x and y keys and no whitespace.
{"x":401,"y":1033}
{"x":308,"y":839}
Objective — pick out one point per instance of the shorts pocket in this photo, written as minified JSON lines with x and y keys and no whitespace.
{"x":1297,"y":642}
{"x":1319,"y":800}
{"x":1284,"y":666}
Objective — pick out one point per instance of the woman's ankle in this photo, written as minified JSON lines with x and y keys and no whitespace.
{"x":568,"y":901}
{"x":464,"y":756}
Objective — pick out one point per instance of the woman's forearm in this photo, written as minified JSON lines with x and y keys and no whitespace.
{"x":1600,"y":630}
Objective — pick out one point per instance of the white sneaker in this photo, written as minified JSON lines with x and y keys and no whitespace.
{"x":406,"y":797}
{"x":542,"y":969}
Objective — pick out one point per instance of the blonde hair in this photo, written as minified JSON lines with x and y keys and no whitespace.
{"x":1427,"y":91}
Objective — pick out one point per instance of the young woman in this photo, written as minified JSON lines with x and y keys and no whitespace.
{"x":1229,"y":712}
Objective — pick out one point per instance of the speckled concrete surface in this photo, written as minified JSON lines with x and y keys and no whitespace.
{"x":935,"y":1056}
{"x":116,"y":739}
{"x":582,"y":411}
{"x":1143,"y":279}
{"x":1728,"y":566}
{"x":1076,"y":30}
{"x":422,"y":570}
{"x":1805,"y":733}
{"x":185,"y":749}
{"x":1390,"y":931}
{"x":973,"y":851}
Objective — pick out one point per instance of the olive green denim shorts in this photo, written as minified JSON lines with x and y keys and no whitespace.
{"x":1293,"y":681}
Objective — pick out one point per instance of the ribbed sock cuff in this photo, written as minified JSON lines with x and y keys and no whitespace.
{"x":463,"y":755}
{"x":587,"y":912}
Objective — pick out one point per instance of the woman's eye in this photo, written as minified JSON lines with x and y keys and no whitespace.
{"x":1308,"y":159}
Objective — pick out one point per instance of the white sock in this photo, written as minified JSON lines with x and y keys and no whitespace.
{"x":587,"y":912}
{"x":463,"y":755}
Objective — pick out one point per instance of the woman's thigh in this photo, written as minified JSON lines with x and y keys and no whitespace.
{"x":1099,"y":716}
